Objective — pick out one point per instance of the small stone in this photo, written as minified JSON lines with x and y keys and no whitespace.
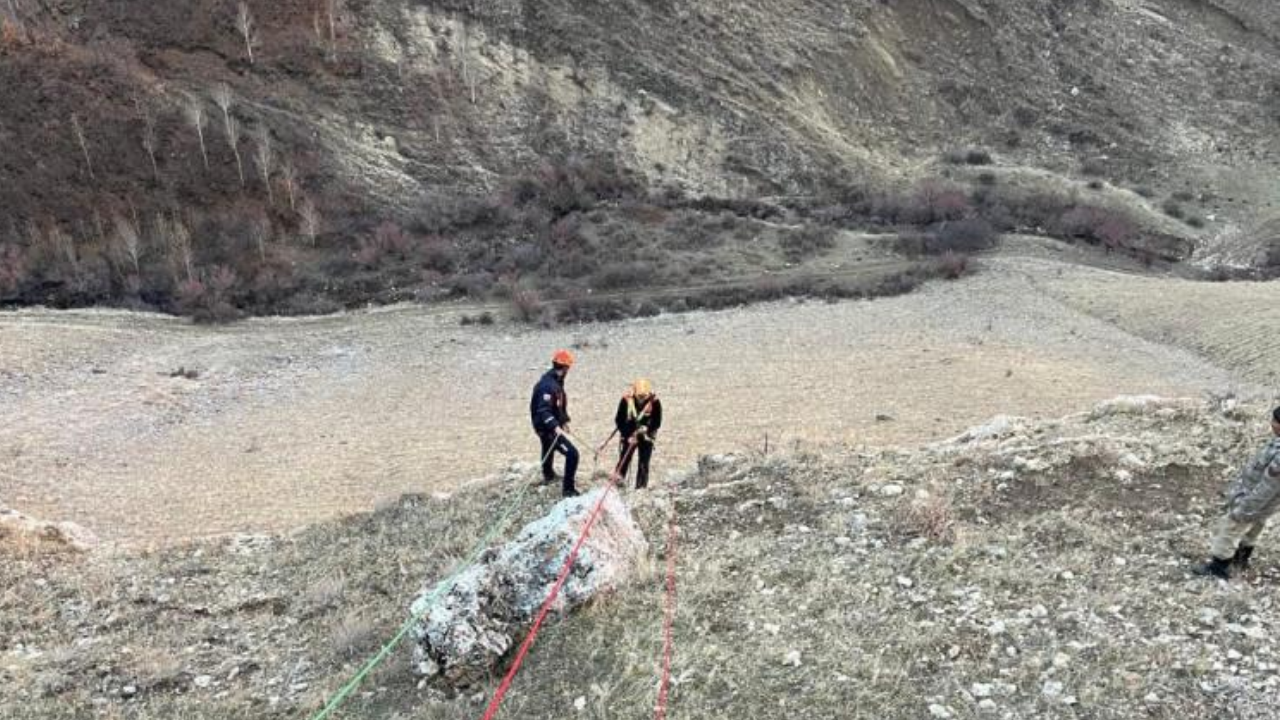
{"x":129,"y":691}
{"x":1039,"y":611}
{"x":202,"y":681}
{"x":1151,"y":698}
{"x":1121,"y":562}
{"x":891,"y":490}
{"x":905,"y":581}
{"x":1061,"y":660}
{"x":1067,"y":575}
{"x":987,"y":706}
{"x":580,"y":703}
{"x":982,"y":690}
{"x":1051,"y":688}
{"x":996,"y":628}
{"x":772,"y":629}
{"x":1234,"y":654}
{"x":793,"y":658}
{"x":940,"y":711}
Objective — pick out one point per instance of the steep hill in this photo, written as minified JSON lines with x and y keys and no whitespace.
{"x":451,"y":119}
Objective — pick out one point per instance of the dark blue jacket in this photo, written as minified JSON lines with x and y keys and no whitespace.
{"x":549,"y":406}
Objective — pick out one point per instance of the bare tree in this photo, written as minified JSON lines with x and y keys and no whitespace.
{"x":149,"y":136}
{"x":467,"y":76}
{"x":233,"y":139}
{"x":265,"y":157}
{"x":84,"y":145}
{"x":16,"y":13}
{"x":260,"y":227}
{"x":244,"y":21}
{"x":309,"y":220}
{"x":289,"y":176}
{"x":225,"y":99}
{"x":63,"y":246}
{"x":177,"y":241}
{"x":128,"y":242}
{"x":193,"y":109}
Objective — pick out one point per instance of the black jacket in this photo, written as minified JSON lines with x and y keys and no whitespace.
{"x":549,"y":406}
{"x":633,"y":415}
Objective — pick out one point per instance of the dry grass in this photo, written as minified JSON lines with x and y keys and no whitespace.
{"x":806,"y":590}
{"x":355,"y":634}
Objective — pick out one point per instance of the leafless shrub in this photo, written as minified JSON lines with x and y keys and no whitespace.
{"x":78,"y":130}
{"x":193,"y":110}
{"x":930,"y":515}
{"x":248,"y":31}
{"x":527,"y":305}
{"x":178,"y":242}
{"x":953,"y":266}
{"x":265,"y":157}
{"x":354,"y":634}
{"x":128,"y":242}
{"x":325,"y":594}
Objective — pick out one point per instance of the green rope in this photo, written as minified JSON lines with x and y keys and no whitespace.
{"x":440,"y":589}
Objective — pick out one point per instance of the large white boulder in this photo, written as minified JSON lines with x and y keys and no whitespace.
{"x":465,"y":633}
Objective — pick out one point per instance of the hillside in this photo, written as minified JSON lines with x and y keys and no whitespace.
{"x":501,"y":149}
{"x":1023,"y":569}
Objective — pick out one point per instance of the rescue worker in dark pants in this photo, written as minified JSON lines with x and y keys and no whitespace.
{"x":638,"y":419}
{"x":549,"y":411}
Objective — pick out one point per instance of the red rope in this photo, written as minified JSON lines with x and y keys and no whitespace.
{"x":492,"y":710}
{"x":668,"y":623}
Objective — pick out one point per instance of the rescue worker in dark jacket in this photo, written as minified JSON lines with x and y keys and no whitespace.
{"x":638,"y":420}
{"x":1252,"y":498}
{"x":549,"y":412}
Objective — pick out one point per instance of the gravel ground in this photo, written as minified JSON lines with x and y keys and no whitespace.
{"x":292,"y":421}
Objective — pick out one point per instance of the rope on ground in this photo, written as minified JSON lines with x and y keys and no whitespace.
{"x":496,"y":702}
{"x":439,"y":590}
{"x":668,"y":623}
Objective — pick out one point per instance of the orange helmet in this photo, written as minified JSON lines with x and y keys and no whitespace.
{"x":564,"y":358}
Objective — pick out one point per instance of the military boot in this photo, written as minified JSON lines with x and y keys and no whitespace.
{"x":1241,"y":559}
{"x":1216,"y":567}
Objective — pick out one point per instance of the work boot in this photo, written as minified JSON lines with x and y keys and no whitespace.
{"x":571,"y":493}
{"x":1216,"y":567}
{"x":1241,"y":559}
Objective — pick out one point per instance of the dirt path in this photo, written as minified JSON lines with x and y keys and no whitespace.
{"x":295,"y":420}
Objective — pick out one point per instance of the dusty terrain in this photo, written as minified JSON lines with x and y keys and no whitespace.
{"x":292,"y":421}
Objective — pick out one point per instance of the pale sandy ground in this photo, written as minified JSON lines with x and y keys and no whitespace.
{"x":292,"y":421}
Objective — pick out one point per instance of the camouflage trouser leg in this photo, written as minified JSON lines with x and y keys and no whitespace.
{"x":1228,"y":534}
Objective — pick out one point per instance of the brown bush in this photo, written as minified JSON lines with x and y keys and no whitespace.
{"x":953,"y":266}
{"x":930,"y":516}
{"x":527,"y":305}
{"x":802,"y":244}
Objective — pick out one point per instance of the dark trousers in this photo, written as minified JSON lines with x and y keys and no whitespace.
{"x":564,"y":447}
{"x":645,"y":451}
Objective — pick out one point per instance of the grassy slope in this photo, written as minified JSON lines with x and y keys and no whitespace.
{"x":1045,"y":567}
